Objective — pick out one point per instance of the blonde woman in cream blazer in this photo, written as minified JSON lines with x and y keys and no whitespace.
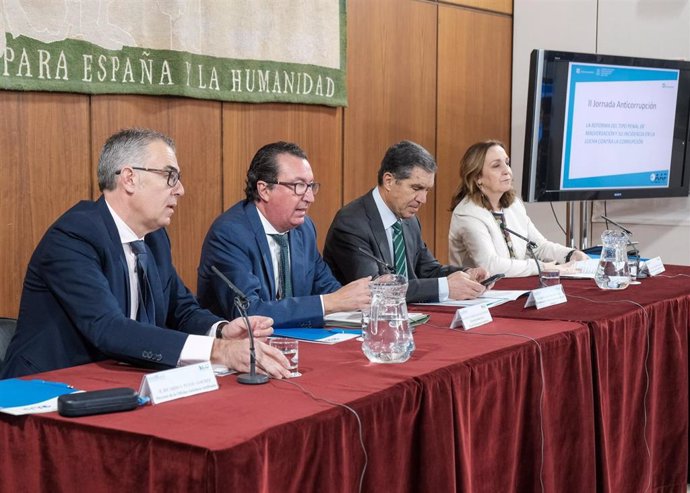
{"x":484,"y":199}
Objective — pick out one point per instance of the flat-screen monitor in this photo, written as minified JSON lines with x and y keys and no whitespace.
{"x":605,"y":127}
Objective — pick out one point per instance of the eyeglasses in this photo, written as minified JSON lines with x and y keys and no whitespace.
{"x":299,"y":188}
{"x":174,"y":176}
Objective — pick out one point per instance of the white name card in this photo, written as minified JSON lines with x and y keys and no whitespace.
{"x":471,"y":317}
{"x":548,"y":296}
{"x":655,"y":266}
{"x":167,"y":385}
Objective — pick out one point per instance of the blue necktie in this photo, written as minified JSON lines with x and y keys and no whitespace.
{"x":284,"y":275}
{"x":147,"y":309}
{"x":399,"y":250}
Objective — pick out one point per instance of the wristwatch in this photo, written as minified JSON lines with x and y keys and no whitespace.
{"x":219,"y":330}
{"x":570,"y":254}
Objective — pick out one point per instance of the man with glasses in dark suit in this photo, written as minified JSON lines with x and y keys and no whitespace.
{"x":266,"y":245}
{"x":101,"y":283}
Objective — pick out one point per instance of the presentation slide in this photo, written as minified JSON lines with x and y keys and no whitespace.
{"x":619,"y":127}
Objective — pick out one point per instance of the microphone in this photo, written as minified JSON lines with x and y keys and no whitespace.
{"x":239,"y":295}
{"x":529,"y":242}
{"x":530,"y":248}
{"x":626,"y":231}
{"x":383,"y":264}
{"x":632,"y":249}
{"x":241,"y":303}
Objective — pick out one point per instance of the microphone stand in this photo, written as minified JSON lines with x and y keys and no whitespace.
{"x":241,"y":303}
{"x":530,"y":248}
{"x":251,"y":378}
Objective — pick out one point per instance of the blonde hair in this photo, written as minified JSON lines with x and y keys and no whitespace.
{"x":471,"y":166}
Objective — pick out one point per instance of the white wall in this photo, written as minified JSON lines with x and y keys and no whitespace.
{"x":648,"y":28}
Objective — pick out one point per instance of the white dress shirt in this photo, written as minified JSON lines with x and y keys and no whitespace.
{"x":196,"y":348}
{"x":389,"y":219}
{"x":275,"y":251}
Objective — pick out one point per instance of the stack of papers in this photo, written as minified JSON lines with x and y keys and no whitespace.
{"x":584,"y":269}
{"x":353,"y":320}
{"x":340,"y":326}
{"x":321,"y":336}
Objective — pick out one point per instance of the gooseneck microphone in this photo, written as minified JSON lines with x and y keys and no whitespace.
{"x":241,"y":303}
{"x":632,"y":249}
{"x":379,"y":261}
{"x":625,"y":230}
{"x":530,"y":248}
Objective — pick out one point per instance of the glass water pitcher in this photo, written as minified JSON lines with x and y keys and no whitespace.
{"x":387,"y":336}
{"x":613,"y":271}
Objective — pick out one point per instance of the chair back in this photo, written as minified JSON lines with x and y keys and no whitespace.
{"x":7,"y":328}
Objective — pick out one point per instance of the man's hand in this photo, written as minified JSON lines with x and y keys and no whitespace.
{"x":236,"y":329}
{"x":477,"y":274}
{"x":462,"y":287}
{"x":235,"y":355}
{"x":353,"y":296}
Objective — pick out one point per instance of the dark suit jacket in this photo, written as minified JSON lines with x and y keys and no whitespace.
{"x":236,"y":244}
{"x":358,"y":225}
{"x":75,"y":301}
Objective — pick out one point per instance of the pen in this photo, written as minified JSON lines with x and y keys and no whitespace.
{"x":57,"y":384}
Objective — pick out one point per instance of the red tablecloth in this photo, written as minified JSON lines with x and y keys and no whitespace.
{"x":466,"y":413}
{"x":640,"y":368}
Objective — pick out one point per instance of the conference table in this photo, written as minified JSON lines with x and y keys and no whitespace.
{"x":640,"y":373}
{"x":584,"y":396}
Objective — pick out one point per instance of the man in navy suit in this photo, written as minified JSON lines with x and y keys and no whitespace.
{"x":101,"y":283}
{"x":364,"y":230}
{"x":266,"y":245}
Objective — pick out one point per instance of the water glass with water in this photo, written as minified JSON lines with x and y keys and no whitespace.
{"x":290,"y":349}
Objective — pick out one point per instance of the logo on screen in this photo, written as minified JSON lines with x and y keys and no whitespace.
{"x":660,"y":177}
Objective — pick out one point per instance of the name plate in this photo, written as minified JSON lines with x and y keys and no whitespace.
{"x":548,"y":296}
{"x":471,"y":317}
{"x":655,"y":266}
{"x":164,"y":386}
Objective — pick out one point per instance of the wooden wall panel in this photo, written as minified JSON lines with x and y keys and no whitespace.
{"x":437,"y":73}
{"x":502,"y":6}
{"x":474,"y":81}
{"x":316,"y":129}
{"x":44,"y":144}
{"x":195,"y":126}
{"x":391,"y":89}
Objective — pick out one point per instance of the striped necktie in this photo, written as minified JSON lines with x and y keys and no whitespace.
{"x":285,"y":277}
{"x":399,"y":250}
{"x":147,"y":308}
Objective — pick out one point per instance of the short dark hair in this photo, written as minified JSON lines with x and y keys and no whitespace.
{"x":264,"y":166}
{"x":402,"y":157}
{"x":128,"y":146}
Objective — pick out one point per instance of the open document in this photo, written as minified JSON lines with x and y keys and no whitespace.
{"x":490,"y":298}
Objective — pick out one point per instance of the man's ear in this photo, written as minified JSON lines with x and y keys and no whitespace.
{"x":263,"y":190}
{"x":388,"y":180}
{"x":127,"y":179}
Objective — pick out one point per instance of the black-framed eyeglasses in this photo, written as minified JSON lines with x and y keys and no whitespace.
{"x":174,"y":176}
{"x":299,"y":187}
